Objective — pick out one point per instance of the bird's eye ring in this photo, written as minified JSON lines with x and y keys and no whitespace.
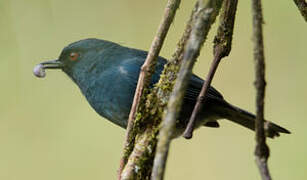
{"x":73,"y":56}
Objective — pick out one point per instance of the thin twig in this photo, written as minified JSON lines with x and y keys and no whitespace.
{"x":188,"y":133}
{"x":262,"y":149}
{"x":148,"y":67}
{"x":204,"y":16}
{"x":302,"y":7}
{"x":222,"y":47}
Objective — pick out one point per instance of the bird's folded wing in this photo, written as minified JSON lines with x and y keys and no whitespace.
{"x":194,"y":88}
{"x":131,"y":69}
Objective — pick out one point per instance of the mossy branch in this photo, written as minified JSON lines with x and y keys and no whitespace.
{"x":222,"y":47}
{"x":302,"y":7}
{"x":203,"y":18}
{"x":143,"y":84}
{"x":151,"y":114}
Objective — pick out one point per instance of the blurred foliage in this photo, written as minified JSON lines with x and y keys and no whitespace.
{"x":48,"y":130}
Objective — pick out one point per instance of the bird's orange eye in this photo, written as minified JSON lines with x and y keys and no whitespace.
{"x":73,"y":56}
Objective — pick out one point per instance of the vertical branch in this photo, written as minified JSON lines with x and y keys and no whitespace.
{"x":204,"y":17}
{"x":222,"y":47}
{"x":169,"y":76}
{"x":147,"y":70}
{"x":141,"y":159}
{"x":302,"y":7}
{"x":262,"y":149}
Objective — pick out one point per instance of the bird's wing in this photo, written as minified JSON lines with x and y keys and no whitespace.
{"x":194,"y":88}
{"x":133,"y":66}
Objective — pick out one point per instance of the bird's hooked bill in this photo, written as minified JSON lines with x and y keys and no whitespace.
{"x":39,"y":69}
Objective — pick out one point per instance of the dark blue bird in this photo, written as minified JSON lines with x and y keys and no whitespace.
{"x":107,"y":74}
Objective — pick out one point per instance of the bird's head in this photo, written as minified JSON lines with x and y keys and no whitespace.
{"x":76,"y":57}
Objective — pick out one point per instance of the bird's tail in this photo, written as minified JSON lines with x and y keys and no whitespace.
{"x":247,"y":120}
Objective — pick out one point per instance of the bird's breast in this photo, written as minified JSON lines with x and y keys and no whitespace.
{"x":111,"y":95}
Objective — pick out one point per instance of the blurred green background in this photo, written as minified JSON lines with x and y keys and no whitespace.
{"x":48,"y":131}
